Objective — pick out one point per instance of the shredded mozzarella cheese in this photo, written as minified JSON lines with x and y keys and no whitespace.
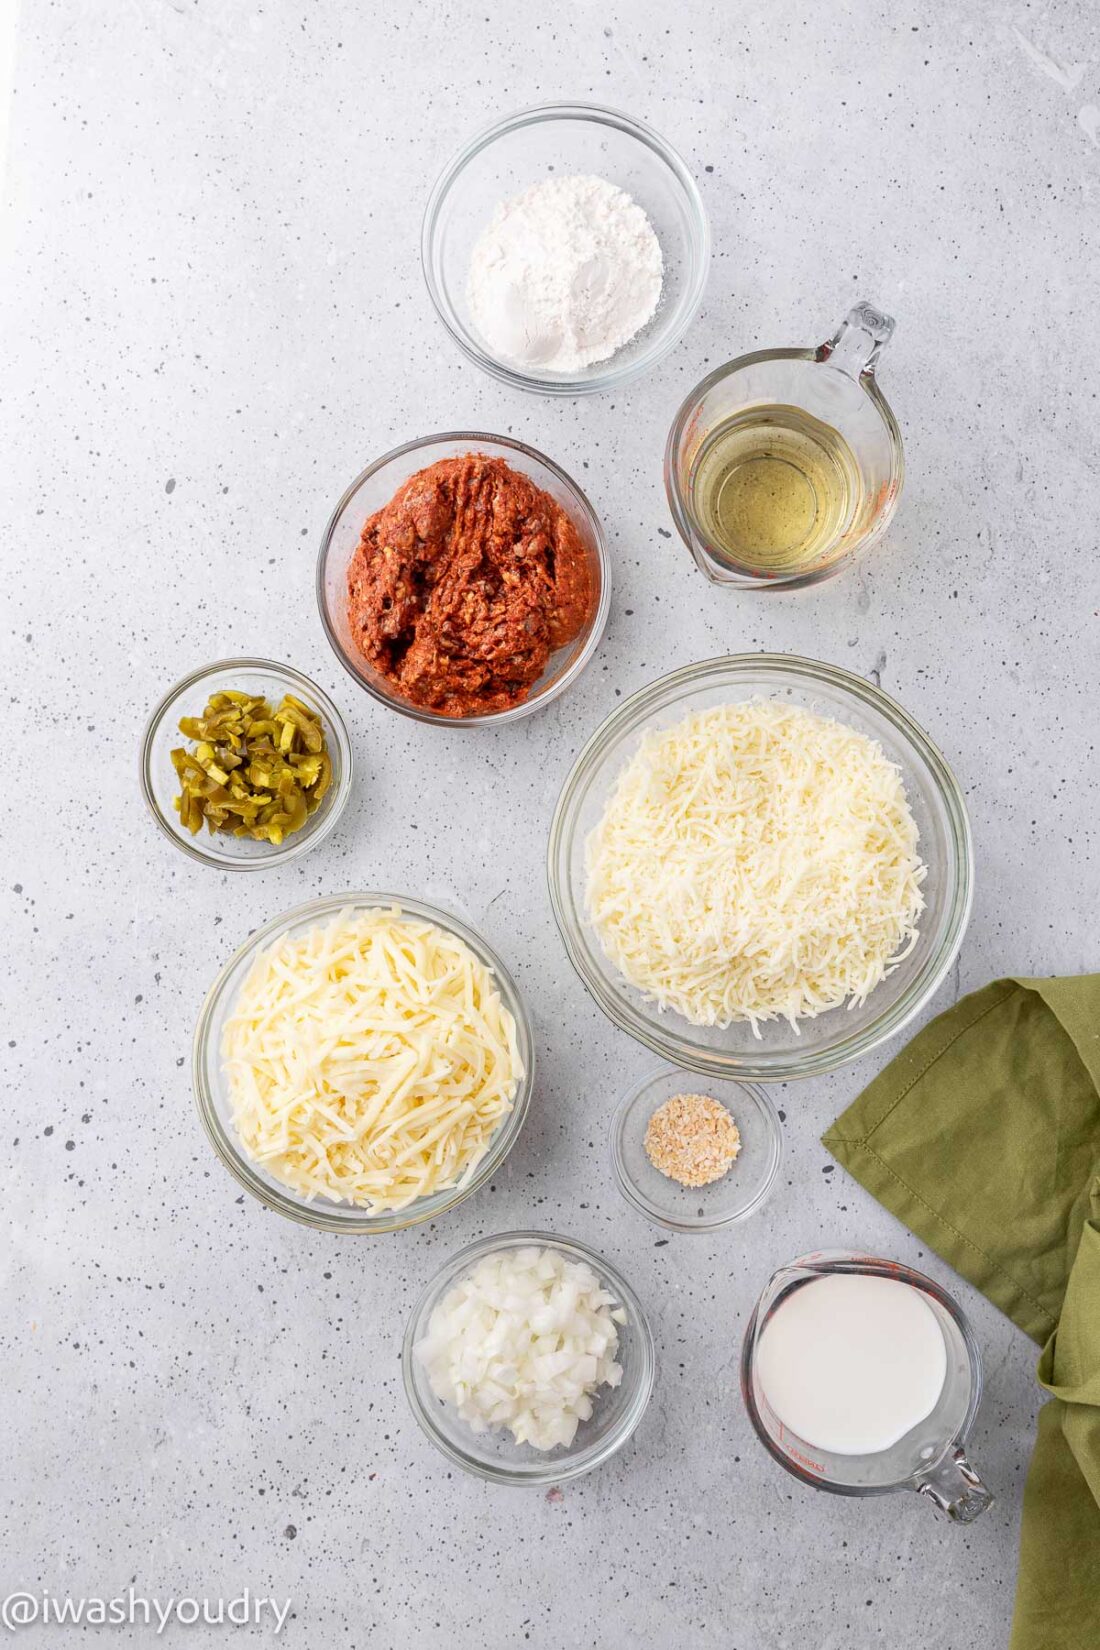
{"x":522,"y":1344}
{"x":755,"y":861}
{"x":370,"y":1061}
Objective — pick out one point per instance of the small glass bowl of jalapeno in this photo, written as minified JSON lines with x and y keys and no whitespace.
{"x":245,"y":764}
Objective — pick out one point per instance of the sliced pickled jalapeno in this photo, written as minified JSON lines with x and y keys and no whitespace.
{"x":252,"y":771}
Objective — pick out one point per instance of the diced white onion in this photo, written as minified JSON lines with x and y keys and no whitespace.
{"x":523,"y":1343}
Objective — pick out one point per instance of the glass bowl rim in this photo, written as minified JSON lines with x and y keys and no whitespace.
{"x":637,"y":1199}
{"x":533,"y":703}
{"x":679,"y":505}
{"x":300,"y":841}
{"x":538,"y":114}
{"x":561,"y":1469}
{"x":322,"y":1216}
{"x":788,"y":1063}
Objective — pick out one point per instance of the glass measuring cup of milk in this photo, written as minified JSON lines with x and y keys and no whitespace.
{"x":929,"y":1455}
{"x":782,"y":465}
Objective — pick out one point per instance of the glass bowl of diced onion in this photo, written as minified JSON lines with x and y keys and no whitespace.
{"x":215,"y":1101}
{"x":776,"y":1050}
{"x":490,"y":1451}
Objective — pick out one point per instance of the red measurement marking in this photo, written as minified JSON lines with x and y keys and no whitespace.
{"x":804,"y":1460}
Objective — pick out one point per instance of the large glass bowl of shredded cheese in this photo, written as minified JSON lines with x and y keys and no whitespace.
{"x":363,"y":1063}
{"x":672,"y":885}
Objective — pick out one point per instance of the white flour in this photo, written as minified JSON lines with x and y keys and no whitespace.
{"x":565,"y":274}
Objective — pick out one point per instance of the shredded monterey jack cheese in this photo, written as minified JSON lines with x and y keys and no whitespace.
{"x":370,"y":1060}
{"x":755,"y":861}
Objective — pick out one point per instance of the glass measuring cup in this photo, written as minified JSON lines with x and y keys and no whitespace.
{"x":930,"y":1458}
{"x":795,"y":401}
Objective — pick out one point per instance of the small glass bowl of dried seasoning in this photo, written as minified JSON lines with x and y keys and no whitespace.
{"x":692,"y":1139}
{"x":695,"y":1161}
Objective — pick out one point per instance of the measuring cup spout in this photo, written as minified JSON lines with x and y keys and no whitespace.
{"x":954,"y":1488}
{"x":859,"y":341}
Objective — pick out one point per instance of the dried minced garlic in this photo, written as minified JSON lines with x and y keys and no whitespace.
{"x":692,"y":1139}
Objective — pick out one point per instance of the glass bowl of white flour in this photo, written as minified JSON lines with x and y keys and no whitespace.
{"x":566,"y":249}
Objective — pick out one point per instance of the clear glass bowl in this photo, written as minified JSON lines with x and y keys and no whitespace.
{"x":376,"y":486}
{"x":742,"y":1190}
{"x":493,"y":1455}
{"x":160,"y":784}
{"x":212,"y":1095}
{"x":567,"y":139}
{"x":938,"y":808}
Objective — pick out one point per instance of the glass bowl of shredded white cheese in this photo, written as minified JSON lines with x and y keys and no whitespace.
{"x":761,"y":867}
{"x":566,"y":248}
{"x":528,"y":1359}
{"x":363,"y":1063}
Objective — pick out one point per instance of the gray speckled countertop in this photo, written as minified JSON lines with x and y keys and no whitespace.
{"x":212,"y":317}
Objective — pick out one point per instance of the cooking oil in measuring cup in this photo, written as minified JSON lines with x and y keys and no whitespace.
{"x":775,"y":488}
{"x":781,"y":465}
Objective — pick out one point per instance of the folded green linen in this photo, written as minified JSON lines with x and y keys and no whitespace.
{"x":983,"y":1136}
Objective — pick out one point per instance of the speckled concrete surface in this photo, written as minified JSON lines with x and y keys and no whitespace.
{"x":213,"y":316}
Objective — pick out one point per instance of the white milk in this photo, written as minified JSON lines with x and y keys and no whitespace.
{"x":850,"y":1363}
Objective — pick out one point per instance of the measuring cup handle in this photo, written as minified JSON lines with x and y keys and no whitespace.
{"x":954,"y":1488}
{"x":859,"y":341}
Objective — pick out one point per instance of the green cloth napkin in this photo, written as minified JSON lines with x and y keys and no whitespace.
{"x":983,"y":1136}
